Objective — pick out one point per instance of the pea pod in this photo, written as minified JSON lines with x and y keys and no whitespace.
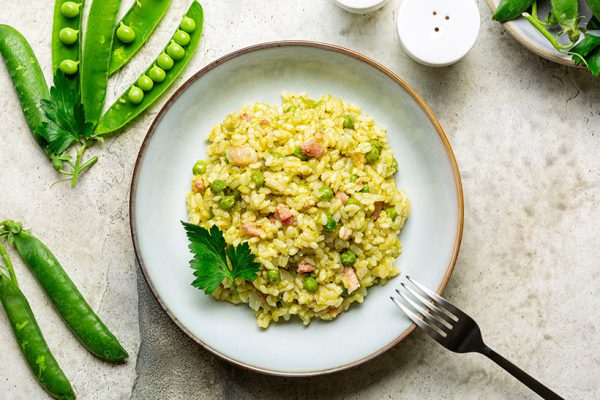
{"x":566,"y":14}
{"x":27,"y":78}
{"x":124,"y":109}
{"x":510,"y":9}
{"x":65,"y":296}
{"x":142,"y":18}
{"x":67,"y":19}
{"x":595,"y":7}
{"x":29,"y":336}
{"x":96,"y":56}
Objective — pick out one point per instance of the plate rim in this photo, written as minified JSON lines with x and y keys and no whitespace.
{"x":323,"y":46}
{"x":522,"y":39}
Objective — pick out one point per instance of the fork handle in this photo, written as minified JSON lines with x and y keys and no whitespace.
{"x":521,"y":375}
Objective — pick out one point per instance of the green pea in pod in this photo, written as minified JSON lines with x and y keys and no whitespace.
{"x":142,"y":19}
{"x":164,"y":72}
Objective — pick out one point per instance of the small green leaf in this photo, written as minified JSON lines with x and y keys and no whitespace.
{"x":213,"y":258}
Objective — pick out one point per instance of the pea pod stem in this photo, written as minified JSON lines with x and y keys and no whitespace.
{"x":551,"y":38}
{"x":8,"y":265}
{"x":534,"y":14}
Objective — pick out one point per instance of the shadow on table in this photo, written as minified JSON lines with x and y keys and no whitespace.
{"x":171,"y":365}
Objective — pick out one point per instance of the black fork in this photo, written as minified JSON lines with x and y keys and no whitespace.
{"x":456,"y":331}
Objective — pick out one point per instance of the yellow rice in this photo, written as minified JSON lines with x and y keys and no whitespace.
{"x":275,"y":131}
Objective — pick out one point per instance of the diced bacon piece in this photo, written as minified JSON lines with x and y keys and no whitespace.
{"x":264,"y":122}
{"x":282,"y":212}
{"x":378,"y":209}
{"x":246,"y":117}
{"x":251,"y":229}
{"x":199,"y":185}
{"x":350,"y":280}
{"x":312,"y":148}
{"x":242,"y":156}
{"x":305,"y":267}
{"x":341,"y":196}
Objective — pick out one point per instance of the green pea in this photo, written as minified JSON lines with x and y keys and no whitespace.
{"x":217,"y":186}
{"x":157,"y":74}
{"x":69,"y":67}
{"x":330,"y":224}
{"x":175,"y":51}
{"x":199,"y":167}
{"x":373,"y":155}
{"x":298,"y":153}
{"x":277,"y":154}
{"x":348,"y":257}
{"x":227,"y":202}
{"x":348,"y":122}
{"x":68,"y":36}
{"x":376,"y":144}
{"x":395,"y":165}
{"x":165,"y":61}
{"x":273,"y":275}
{"x":145,"y":83}
{"x":352,"y":201}
{"x":69,"y":9}
{"x":365,"y":189}
{"x":392,"y":212}
{"x":257,"y":178}
{"x":135,"y":95}
{"x":325,"y":193}
{"x":353,"y":178}
{"x":181,"y":38}
{"x":125,"y":34}
{"x":188,"y":24}
{"x":310,"y":284}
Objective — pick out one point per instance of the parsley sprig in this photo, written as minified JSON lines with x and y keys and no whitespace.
{"x":66,"y":127}
{"x":215,"y":261}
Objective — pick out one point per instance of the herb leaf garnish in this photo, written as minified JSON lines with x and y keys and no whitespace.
{"x":215,"y":261}
{"x":66,"y":126}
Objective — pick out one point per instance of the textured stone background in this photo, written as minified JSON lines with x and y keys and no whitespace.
{"x":523,"y":130}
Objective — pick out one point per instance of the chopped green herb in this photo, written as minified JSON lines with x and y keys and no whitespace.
{"x":215,"y":261}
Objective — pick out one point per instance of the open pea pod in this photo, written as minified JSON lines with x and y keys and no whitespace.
{"x":96,"y":56}
{"x":134,"y":29}
{"x":66,"y":35}
{"x":159,"y":76}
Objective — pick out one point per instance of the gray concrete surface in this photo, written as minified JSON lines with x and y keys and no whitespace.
{"x":524,"y":133}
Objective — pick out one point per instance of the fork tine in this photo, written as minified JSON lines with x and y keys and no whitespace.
{"x":442,"y":314}
{"x":430,"y":331}
{"x":452,"y":310}
{"x":421,"y":310}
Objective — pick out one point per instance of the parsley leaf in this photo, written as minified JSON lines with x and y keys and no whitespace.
{"x":66,"y":117}
{"x":214,"y":260}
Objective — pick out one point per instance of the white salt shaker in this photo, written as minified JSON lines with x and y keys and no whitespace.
{"x":360,"y":6}
{"x":438,"y":32}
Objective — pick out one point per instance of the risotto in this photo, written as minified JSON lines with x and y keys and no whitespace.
{"x":310,"y":186}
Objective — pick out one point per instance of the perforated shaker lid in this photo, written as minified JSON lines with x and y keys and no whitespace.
{"x":438,"y":32}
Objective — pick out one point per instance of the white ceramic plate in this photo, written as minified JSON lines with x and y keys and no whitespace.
{"x":162,"y":177}
{"x":531,"y":38}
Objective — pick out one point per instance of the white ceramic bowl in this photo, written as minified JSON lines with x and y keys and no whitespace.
{"x":360,"y":6}
{"x":177,"y":138}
